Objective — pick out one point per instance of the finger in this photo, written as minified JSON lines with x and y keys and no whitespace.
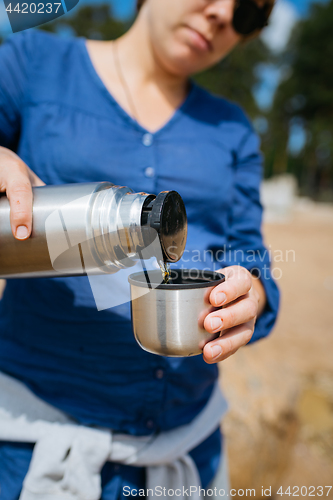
{"x":242,"y":310}
{"x":14,"y":180}
{"x":19,"y":194}
{"x":34,"y":179}
{"x":238,"y":282}
{"x":223,"y":347}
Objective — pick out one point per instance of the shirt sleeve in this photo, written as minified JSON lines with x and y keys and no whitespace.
{"x":245,"y":242}
{"x":13,"y":82}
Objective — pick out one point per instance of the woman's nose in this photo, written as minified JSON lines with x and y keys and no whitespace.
{"x":220,"y":11}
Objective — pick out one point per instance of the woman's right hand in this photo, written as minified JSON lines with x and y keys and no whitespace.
{"x":16,"y":179}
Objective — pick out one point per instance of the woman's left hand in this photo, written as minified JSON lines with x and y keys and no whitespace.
{"x":240,"y":298}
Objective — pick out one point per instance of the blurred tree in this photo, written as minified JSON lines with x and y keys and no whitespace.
{"x":235,"y":77}
{"x":90,"y":21}
{"x":305,"y":99}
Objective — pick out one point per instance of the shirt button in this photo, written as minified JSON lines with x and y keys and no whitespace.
{"x":147,"y":140}
{"x":116,"y":468}
{"x":150,"y":424}
{"x":149,"y":172}
{"x":159,"y":373}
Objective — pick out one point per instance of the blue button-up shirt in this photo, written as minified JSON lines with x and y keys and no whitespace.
{"x":58,"y":115}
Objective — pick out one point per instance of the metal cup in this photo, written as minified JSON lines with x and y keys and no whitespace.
{"x":168,"y":319}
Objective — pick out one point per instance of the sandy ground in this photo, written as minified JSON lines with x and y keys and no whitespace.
{"x":304,"y":336}
{"x":302,"y":341}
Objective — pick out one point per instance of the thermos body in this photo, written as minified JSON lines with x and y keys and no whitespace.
{"x":90,"y":228}
{"x":31,"y":258}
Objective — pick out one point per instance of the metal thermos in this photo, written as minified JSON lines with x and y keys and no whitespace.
{"x":93,"y":228}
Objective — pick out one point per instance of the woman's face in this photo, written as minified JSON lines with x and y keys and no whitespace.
{"x":189,"y":36}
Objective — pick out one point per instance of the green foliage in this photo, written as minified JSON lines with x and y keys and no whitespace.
{"x":91,"y":21}
{"x":306,"y":97}
{"x":235,"y":77}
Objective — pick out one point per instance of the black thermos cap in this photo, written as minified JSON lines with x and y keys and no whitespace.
{"x":166,"y":214}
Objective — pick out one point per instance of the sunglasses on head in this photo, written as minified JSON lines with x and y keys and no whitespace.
{"x":249,"y":17}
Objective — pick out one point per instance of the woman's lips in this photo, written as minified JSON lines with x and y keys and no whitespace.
{"x":198,"y":41}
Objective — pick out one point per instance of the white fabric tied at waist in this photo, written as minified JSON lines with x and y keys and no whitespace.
{"x":68,"y":457}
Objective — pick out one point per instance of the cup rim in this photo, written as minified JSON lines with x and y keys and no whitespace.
{"x":213,"y":278}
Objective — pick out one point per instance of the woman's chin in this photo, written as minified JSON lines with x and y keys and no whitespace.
{"x":187,"y":63}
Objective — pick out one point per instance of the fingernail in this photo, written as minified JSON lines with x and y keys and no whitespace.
{"x":22,"y":232}
{"x":220,"y":298}
{"x":216,"y":351}
{"x":215,"y":323}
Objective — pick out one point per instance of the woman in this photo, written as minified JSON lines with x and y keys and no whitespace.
{"x":126,"y":111}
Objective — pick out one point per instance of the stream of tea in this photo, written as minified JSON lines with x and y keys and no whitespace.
{"x":165,"y":268}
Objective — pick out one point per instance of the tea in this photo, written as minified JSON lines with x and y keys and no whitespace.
{"x":165,"y":268}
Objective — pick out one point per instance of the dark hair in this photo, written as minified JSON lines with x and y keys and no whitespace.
{"x":139,"y":4}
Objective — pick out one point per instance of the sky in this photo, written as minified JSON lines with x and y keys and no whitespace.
{"x":276,"y":36}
